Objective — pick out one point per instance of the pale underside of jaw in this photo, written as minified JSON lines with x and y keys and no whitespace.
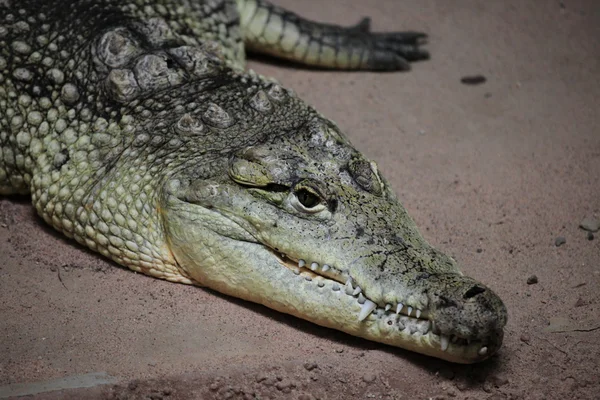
{"x":398,"y":325}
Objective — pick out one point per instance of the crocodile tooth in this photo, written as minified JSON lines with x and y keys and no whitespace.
{"x":418,"y":313}
{"x":301,"y":263}
{"x":444,"y":340}
{"x":314,"y":266}
{"x":325,"y":268}
{"x":367,"y":308}
{"x":356,"y":291}
{"x":361,"y":299}
{"x":482,"y":351}
{"x":349,"y":288}
{"x":387,"y":307}
{"x":335,"y":287}
{"x":409,"y":311}
{"x":399,"y":308}
{"x":296,"y":271}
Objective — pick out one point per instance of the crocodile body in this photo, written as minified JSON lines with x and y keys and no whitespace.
{"x":137,"y":131}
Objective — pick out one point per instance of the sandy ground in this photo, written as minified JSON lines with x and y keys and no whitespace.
{"x":492,"y":174}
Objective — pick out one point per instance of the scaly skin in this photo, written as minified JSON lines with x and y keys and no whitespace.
{"x":137,"y":132}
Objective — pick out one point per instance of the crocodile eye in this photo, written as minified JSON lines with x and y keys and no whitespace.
{"x":307,"y":201}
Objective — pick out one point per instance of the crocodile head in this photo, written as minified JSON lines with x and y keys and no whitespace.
{"x":303,"y":223}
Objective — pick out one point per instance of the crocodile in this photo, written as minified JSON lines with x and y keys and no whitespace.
{"x":138,"y":131}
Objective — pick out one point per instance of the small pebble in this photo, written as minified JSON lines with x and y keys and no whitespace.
{"x":560,"y":241}
{"x":310,"y":366}
{"x":479,"y":250}
{"x":590,"y":236}
{"x":473,"y":79}
{"x":525,"y":338}
{"x":369,"y":377}
{"x":532,"y":280}
{"x":590,"y":224}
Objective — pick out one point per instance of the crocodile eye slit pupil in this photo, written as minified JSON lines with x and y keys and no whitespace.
{"x":306,"y":198}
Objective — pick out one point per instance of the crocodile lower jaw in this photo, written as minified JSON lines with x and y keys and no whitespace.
{"x":389,"y":325}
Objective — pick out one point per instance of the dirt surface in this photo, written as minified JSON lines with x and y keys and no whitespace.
{"x":492,"y":173}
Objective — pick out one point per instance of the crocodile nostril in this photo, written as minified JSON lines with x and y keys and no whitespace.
{"x":474,"y":291}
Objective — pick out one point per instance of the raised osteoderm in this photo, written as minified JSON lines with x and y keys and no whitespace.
{"x":138,"y":133}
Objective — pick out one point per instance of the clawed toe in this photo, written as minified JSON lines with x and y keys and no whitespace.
{"x":405,"y":45}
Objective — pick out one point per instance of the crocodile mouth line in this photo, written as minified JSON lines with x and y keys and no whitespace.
{"x":408,"y":320}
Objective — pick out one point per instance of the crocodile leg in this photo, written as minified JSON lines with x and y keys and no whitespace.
{"x":274,"y":31}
